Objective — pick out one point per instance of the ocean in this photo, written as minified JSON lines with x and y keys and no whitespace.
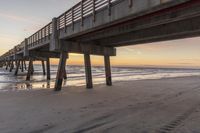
{"x":76,"y":76}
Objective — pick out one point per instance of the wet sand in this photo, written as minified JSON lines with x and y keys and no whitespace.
{"x":149,"y":106}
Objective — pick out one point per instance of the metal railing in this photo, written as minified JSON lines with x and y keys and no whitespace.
{"x":82,"y":10}
{"x":40,"y":36}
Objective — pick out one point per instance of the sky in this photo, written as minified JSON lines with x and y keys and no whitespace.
{"x":21,"y":18}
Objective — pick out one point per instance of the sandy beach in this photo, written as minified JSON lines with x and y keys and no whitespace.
{"x":147,"y":106}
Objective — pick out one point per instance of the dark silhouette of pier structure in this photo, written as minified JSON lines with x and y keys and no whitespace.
{"x":97,"y":27}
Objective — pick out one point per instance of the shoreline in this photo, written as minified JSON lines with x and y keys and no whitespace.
{"x":70,"y":86}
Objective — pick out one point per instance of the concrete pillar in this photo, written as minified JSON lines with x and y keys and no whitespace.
{"x":88,"y":71}
{"x":11,"y":66}
{"x":17,"y":67}
{"x":22,"y":66}
{"x":9,"y":63}
{"x":25,"y":65}
{"x":32,"y":69}
{"x":65,"y":74}
{"x":15,"y":63}
{"x":43,"y":68}
{"x":48,"y":69}
{"x":108,"y":70}
{"x":30,"y":66}
{"x":61,"y":69}
{"x":26,"y":51}
{"x":6,"y":65}
{"x":54,"y":42}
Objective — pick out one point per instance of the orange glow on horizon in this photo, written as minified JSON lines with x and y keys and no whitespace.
{"x":178,"y":53}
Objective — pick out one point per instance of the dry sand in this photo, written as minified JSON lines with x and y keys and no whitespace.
{"x":148,"y":106}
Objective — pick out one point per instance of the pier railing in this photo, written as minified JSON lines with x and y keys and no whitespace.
{"x":82,"y":10}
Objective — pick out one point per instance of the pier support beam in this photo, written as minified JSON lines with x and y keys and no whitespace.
{"x":48,"y":69}
{"x":43,"y":68}
{"x":88,"y":71}
{"x":61,"y":69}
{"x":17,"y":67}
{"x":108,"y":70}
{"x":30,"y":67}
{"x":15,"y":63}
{"x":11,"y":66}
{"x":22,"y":66}
{"x":25,"y":65}
{"x":6,"y":65}
{"x":65,"y":74}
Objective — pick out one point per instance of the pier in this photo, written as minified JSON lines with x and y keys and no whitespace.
{"x":98,"y":27}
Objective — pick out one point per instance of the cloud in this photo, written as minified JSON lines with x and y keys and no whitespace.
{"x":15,"y":17}
{"x":157,"y":46}
{"x":191,"y":59}
{"x":131,"y":50}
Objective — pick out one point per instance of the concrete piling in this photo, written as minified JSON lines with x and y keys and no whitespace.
{"x":25,"y":65}
{"x":11,"y":66}
{"x":43,"y":68}
{"x":22,"y":66}
{"x":17,"y":67}
{"x":88,"y":71}
{"x":6,"y":65}
{"x":107,"y":70}
{"x":65,"y":74}
{"x":48,"y":69}
{"x":30,"y":67}
{"x":61,"y":69}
